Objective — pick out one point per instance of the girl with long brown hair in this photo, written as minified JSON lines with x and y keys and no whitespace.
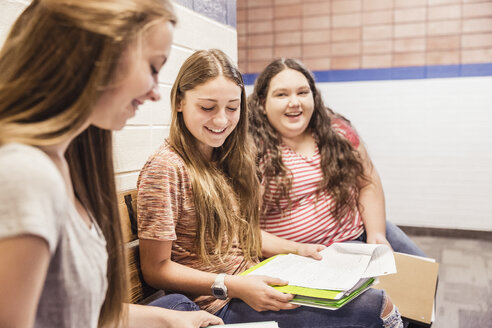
{"x":198,"y":211}
{"x":73,"y":71}
{"x":319,"y":184}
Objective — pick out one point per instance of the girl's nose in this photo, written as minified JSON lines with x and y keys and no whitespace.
{"x":293,"y":101}
{"x":220,"y":118}
{"x":154,"y":93}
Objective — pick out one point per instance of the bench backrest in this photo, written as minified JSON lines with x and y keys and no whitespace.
{"x":139,"y":291}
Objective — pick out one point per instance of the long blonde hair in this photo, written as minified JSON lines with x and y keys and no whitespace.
{"x":58,"y":59}
{"x":230,"y":174}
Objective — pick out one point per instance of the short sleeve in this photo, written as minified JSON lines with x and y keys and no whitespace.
{"x":343,"y":128}
{"x":33,"y":194}
{"x":159,"y":199}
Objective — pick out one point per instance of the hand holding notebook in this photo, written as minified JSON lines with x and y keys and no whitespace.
{"x":346,"y":270}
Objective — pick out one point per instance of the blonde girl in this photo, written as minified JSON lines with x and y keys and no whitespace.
{"x":72,"y":71}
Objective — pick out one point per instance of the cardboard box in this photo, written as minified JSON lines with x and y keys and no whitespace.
{"x":413,"y":287}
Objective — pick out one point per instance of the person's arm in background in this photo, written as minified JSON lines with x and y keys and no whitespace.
{"x":151,"y":316}
{"x":272,"y":245}
{"x":371,"y":202}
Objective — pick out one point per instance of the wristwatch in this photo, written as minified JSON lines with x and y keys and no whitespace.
{"x":219,"y":289}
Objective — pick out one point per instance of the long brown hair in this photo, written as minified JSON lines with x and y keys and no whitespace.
{"x":231,"y":171}
{"x":341,"y":164}
{"x":58,"y":59}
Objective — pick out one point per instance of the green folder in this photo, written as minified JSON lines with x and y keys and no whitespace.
{"x":324,"y":298}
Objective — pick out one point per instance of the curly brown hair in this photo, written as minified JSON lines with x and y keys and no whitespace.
{"x":341,"y":164}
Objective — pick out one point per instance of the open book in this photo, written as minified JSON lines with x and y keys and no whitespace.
{"x":346,"y":271}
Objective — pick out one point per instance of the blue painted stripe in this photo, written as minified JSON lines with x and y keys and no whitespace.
{"x":395,"y":73}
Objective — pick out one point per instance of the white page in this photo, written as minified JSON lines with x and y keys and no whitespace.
{"x":382,"y":262}
{"x":264,"y":324}
{"x":342,"y":266}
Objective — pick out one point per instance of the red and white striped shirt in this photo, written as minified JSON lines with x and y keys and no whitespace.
{"x":309,"y":220}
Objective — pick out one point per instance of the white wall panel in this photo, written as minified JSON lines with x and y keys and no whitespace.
{"x":176,"y":58}
{"x":196,"y":31}
{"x":9,"y":11}
{"x":127,"y":181}
{"x":431,"y":141}
{"x":154,"y":113}
{"x":132,"y":146}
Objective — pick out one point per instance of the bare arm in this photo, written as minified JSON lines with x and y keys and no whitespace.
{"x":155,"y":317}
{"x":272,"y":245}
{"x":161,"y":272}
{"x":23,"y":266}
{"x":371,"y":202}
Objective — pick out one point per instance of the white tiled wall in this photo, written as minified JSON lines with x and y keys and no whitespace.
{"x":431,"y":141}
{"x":147,"y":130}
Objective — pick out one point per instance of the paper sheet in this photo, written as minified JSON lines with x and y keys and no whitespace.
{"x":264,"y":324}
{"x":342,"y":266}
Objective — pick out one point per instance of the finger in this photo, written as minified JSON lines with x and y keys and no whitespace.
{"x":211,"y":322}
{"x":281,"y":297}
{"x":283,"y":306}
{"x":275,"y":281}
{"x":316,"y":255}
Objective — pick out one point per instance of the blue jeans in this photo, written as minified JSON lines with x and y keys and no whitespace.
{"x":398,"y":240}
{"x":364,"y":311}
{"x":175,"y":302}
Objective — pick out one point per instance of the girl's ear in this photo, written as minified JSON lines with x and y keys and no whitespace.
{"x":263,"y":110}
{"x":180,"y":106}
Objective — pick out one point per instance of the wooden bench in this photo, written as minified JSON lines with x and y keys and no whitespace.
{"x":139,"y":292}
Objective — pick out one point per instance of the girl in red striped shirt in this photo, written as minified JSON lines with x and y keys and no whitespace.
{"x":319,"y":183}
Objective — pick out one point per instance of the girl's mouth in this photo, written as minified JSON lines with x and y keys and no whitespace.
{"x":217,"y":131}
{"x":296,"y":114}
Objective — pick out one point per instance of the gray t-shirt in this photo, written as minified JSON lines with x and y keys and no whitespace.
{"x":33,"y":200}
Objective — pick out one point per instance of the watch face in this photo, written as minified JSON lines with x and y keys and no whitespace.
{"x":219,"y":293}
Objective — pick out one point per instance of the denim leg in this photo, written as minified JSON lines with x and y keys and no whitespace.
{"x":175,"y":302}
{"x":400,"y":241}
{"x":364,"y":311}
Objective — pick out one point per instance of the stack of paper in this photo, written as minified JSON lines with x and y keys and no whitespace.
{"x":346,"y":271}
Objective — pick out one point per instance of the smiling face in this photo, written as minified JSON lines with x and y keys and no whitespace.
{"x":136,"y":78}
{"x":211,"y":112}
{"x":289,"y":103}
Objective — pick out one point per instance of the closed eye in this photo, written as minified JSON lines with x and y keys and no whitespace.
{"x":207,"y":109}
{"x":153,"y":70}
{"x":232,"y":109}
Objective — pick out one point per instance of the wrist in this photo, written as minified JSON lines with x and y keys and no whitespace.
{"x":297,"y":248}
{"x":233,"y":284}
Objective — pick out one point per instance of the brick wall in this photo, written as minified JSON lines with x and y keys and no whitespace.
{"x":358,"y":34}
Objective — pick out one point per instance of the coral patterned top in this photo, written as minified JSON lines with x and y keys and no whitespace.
{"x":310,"y":219}
{"x":166,"y":212}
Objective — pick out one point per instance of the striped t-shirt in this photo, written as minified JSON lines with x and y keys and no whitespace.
{"x":166,"y":211}
{"x":309,"y":219}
